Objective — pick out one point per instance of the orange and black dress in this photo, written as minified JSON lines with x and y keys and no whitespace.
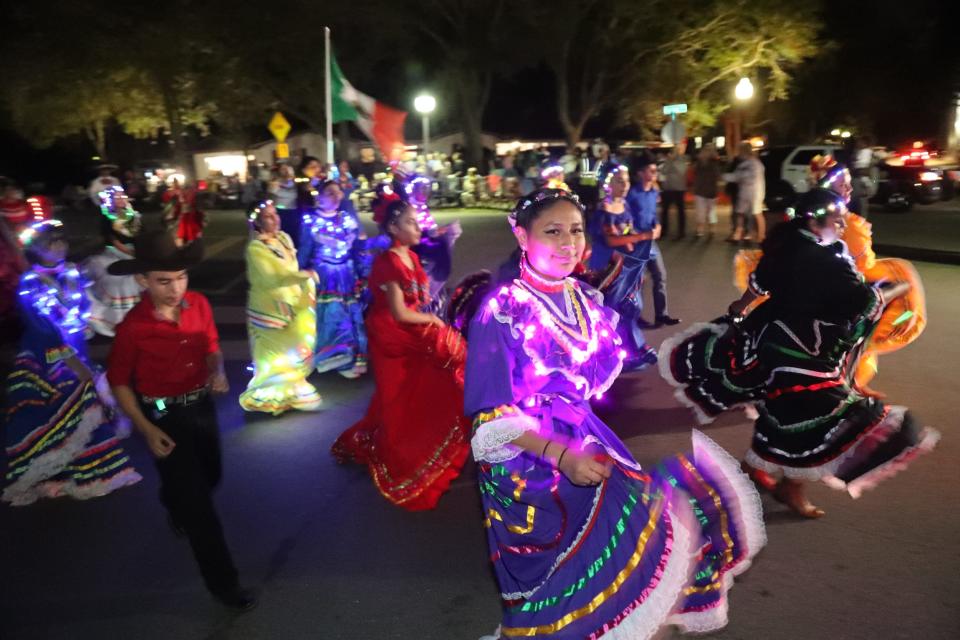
{"x":414,"y":437}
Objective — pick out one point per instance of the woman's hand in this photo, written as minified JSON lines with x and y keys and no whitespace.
{"x":583,"y":469}
{"x":892,"y":291}
{"x":736,"y":308}
{"x":79,"y":368}
{"x":437,"y":321}
{"x":453,"y":229}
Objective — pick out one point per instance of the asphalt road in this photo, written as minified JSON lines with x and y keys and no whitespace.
{"x":333,"y":560}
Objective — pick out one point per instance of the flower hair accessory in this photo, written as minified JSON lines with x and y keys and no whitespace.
{"x":543,"y":195}
{"x":387,"y":196}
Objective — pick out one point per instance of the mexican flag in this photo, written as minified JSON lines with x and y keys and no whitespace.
{"x":382,"y":124}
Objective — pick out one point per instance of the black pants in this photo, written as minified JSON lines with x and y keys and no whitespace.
{"x":668,"y":198}
{"x":658,"y":275}
{"x":188,"y":477}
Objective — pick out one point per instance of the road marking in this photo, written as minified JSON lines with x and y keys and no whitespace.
{"x":221,"y":246}
{"x":230,"y":285}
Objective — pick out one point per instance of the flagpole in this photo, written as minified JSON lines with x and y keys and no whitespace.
{"x":328,"y":96}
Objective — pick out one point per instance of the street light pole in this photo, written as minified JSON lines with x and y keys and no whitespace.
{"x":426,"y":134}
{"x":425,"y":104}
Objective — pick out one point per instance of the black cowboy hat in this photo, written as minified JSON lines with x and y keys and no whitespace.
{"x":157,"y":251}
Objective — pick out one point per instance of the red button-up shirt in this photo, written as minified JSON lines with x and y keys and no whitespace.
{"x":160,"y":358}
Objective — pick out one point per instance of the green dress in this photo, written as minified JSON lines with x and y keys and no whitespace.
{"x":281,"y":324}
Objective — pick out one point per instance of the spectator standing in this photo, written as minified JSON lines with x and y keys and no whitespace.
{"x":732,"y":190}
{"x":861,"y":165}
{"x":674,"y":182}
{"x":749,"y":176}
{"x":283,"y":191}
{"x":642,"y":201}
{"x":706,"y":179}
{"x":103,"y":180}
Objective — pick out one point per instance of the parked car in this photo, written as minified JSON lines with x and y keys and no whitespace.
{"x":900,"y":187}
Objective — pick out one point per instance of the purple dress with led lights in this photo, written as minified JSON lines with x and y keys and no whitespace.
{"x":58,"y":435}
{"x":617,"y":560}
{"x":335,"y":246}
{"x":435,"y":251}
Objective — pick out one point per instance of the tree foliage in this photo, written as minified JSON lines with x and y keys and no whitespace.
{"x":717,"y":42}
{"x":180,"y":70}
{"x":631,"y":56}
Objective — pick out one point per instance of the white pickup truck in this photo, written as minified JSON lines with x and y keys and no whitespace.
{"x":788,"y":170}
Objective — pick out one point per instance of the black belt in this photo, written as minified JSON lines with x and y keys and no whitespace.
{"x":183,"y":399}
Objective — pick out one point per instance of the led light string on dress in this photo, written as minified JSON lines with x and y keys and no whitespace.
{"x":28,"y":235}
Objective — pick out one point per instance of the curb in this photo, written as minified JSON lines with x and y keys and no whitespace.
{"x":939,"y":256}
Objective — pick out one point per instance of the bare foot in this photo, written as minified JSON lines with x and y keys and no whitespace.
{"x":790,"y":493}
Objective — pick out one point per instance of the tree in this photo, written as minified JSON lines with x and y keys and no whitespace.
{"x":633,"y":55}
{"x":718,"y":42}
{"x":595,"y":51}
{"x":469,"y":42}
{"x":147,"y":73}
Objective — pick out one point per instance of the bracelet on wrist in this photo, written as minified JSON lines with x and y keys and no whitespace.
{"x":543,"y":454}
{"x":560,"y":459}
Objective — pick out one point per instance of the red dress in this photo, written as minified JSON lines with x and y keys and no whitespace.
{"x":414,"y":437}
{"x":182,"y":210}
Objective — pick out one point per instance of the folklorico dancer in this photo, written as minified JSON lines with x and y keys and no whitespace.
{"x":60,"y":439}
{"x":903,"y":320}
{"x":613,"y":255}
{"x":553,"y":177}
{"x":584,"y":542}
{"x":793,"y":357}
{"x":281,"y":320}
{"x":435,"y":249}
{"x":111,"y":297}
{"x":182,"y":213}
{"x":334,"y":245}
{"x":413,"y":438}
{"x":307,"y":184}
{"x":164,"y":364}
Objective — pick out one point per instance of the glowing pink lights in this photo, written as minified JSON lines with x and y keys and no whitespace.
{"x":580,"y":335}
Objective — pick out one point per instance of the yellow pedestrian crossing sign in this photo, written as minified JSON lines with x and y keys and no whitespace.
{"x":279,"y":127}
{"x":283,"y":150}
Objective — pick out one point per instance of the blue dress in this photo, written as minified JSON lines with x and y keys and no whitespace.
{"x":622,"y":279}
{"x":59,"y":437}
{"x":641,"y":549}
{"x":337,"y":249}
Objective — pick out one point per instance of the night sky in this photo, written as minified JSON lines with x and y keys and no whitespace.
{"x":891,"y":68}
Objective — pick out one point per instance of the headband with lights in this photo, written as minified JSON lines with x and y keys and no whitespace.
{"x":30,"y":234}
{"x":544,"y":195}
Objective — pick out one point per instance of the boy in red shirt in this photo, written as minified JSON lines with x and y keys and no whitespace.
{"x":164,"y":364}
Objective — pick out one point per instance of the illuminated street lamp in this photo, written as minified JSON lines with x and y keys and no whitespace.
{"x":425,"y":104}
{"x":742,"y":92}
